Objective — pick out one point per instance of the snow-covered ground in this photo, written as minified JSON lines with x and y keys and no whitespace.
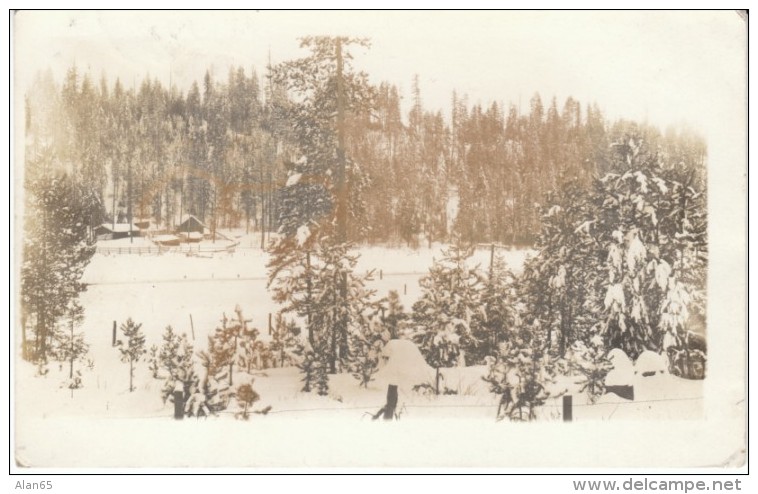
{"x":103,"y":424}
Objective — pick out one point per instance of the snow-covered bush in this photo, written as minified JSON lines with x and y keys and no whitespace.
{"x":591,"y":362}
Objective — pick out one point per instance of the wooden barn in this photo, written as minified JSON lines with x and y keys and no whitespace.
{"x":190,"y":224}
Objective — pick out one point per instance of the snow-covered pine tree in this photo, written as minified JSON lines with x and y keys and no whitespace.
{"x":559,"y":286}
{"x":366,"y":344}
{"x":214,"y":391}
{"x":338,"y":313}
{"x":652,"y":228}
{"x":57,"y":248}
{"x":448,"y":315}
{"x":224,"y":343}
{"x":394,"y":316}
{"x":176,"y":356}
{"x":134,"y":348}
{"x":308,"y":367}
{"x":168,"y":356}
{"x":153,"y":360}
{"x":292,"y":270}
{"x":321,"y":374}
{"x":285,"y":346}
{"x":590,"y":360}
{"x":70,"y":347}
{"x":251,"y":352}
{"x":332,"y":311}
{"x":499,"y":304}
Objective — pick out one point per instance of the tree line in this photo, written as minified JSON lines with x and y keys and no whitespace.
{"x":223,"y":150}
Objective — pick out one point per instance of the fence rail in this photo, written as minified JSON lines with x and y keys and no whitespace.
{"x":160,"y":249}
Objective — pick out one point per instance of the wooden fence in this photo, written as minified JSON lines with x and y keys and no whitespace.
{"x":160,"y":249}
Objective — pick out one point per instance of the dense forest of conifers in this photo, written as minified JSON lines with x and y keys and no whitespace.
{"x":223,"y":150}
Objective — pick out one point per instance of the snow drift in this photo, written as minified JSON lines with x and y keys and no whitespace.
{"x":401,"y":363}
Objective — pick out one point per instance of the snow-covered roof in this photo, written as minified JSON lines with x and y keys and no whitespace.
{"x":188,"y":217}
{"x":119,"y":227}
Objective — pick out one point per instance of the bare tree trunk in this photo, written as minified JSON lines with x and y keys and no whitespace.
{"x":341,"y":186}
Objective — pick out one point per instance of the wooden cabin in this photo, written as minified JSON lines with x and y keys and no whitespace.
{"x":115,"y":231}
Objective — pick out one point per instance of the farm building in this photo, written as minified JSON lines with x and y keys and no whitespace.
{"x":190,"y":224}
{"x":114,"y":231}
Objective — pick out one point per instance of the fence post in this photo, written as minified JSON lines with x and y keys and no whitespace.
{"x":567,"y":410}
{"x":269,"y":324}
{"x":192,"y":326}
{"x":389,"y":409}
{"x":113,"y":341}
{"x":178,"y":402}
{"x":405,"y":289}
{"x":380,"y":274}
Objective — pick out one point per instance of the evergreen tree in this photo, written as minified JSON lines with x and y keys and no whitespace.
{"x":153,"y":361}
{"x":559,"y":286}
{"x":253,"y":353}
{"x":652,"y":227}
{"x":134,"y":348}
{"x":224,"y":344}
{"x":285,"y":346}
{"x":57,"y":248}
{"x":70,"y":348}
{"x":499,"y":301}
{"x":176,"y":357}
{"x":447,"y":318}
{"x":246,"y":396}
{"x":336,"y":317}
{"x":520,"y":375}
{"x":590,"y":360}
{"x":394,"y":317}
{"x":169,"y":357}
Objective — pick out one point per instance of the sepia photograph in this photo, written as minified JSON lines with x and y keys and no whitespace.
{"x":378,"y":240}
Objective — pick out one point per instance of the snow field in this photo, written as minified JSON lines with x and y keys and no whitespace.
{"x":54,"y":429}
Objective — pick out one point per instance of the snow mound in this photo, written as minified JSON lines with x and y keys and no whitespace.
{"x":401,"y":363}
{"x":651,"y":363}
{"x":622,"y":373}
